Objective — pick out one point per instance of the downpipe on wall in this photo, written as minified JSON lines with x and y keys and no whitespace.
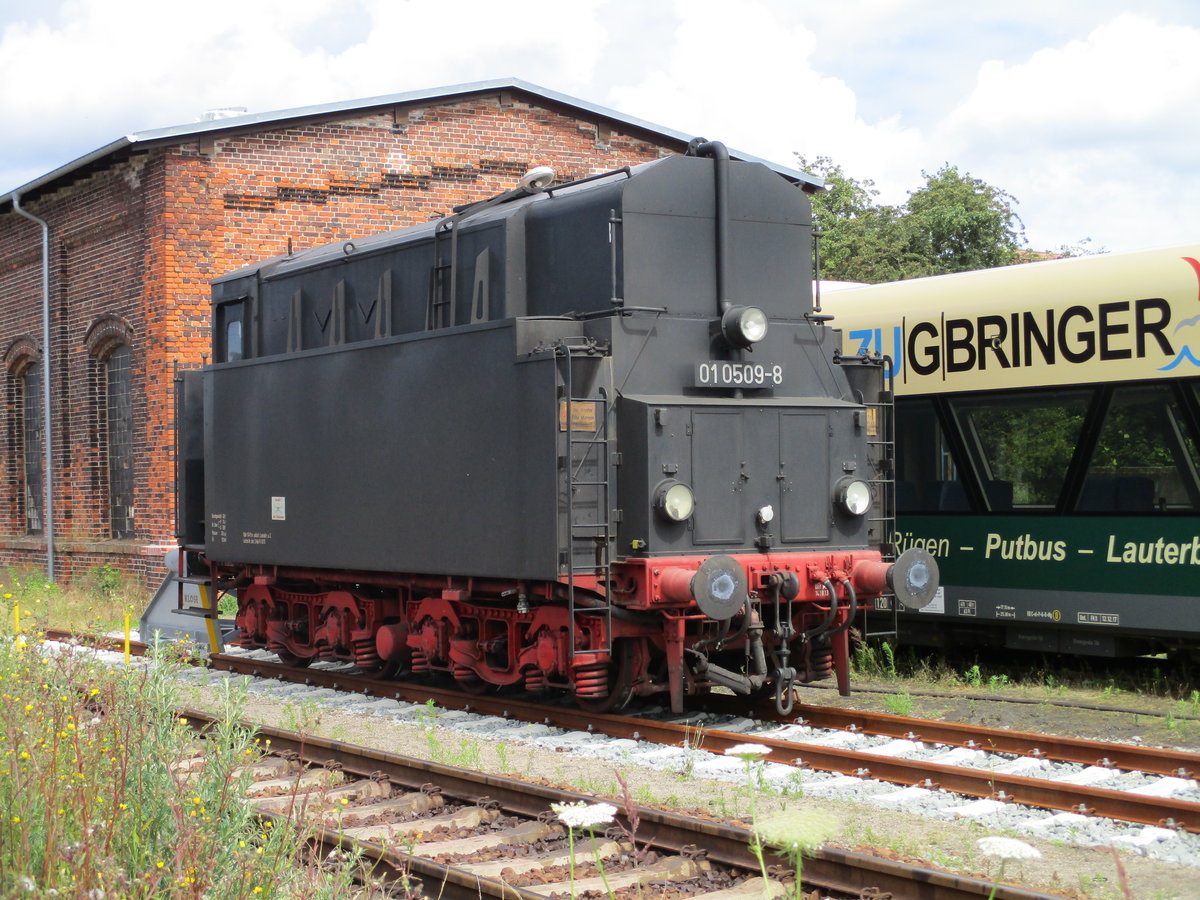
{"x":46,"y":396}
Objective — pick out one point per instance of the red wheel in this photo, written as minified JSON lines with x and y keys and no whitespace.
{"x":288,"y":658}
{"x":470,"y":683}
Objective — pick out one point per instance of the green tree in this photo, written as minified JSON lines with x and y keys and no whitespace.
{"x":951,"y":224}
{"x":959,"y":223}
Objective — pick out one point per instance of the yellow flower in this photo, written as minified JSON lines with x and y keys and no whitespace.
{"x":258,"y":890}
{"x":160,"y":863}
{"x":16,"y":820}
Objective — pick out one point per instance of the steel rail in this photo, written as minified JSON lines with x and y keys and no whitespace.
{"x":972,"y":782}
{"x":96,"y":641}
{"x":1178,"y":763}
{"x":1152,"y":760}
{"x":828,"y":868}
{"x":1021,"y":701}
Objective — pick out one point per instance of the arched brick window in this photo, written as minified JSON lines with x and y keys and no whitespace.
{"x":23,"y":361}
{"x":108,"y":343}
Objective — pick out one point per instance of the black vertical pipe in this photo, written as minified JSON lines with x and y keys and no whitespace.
{"x":720,"y":155}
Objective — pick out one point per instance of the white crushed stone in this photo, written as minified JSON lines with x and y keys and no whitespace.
{"x":1090,"y":775}
{"x":898,"y":747}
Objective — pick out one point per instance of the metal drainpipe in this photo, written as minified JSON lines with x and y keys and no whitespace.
{"x":46,"y":396}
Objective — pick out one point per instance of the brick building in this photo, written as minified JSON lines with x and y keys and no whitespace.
{"x":137,"y":229}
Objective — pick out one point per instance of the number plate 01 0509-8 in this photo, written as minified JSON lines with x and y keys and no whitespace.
{"x":723,"y":374}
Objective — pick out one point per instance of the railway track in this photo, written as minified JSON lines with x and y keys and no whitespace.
{"x":466,"y":834}
{"x":1167,"y":812}
{"x":1006,"y":786}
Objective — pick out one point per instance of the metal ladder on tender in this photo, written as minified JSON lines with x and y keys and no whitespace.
{"x":584,"y":472}
{"x":882,"y":456}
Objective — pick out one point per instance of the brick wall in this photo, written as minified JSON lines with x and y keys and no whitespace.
{"x":134,"y":246}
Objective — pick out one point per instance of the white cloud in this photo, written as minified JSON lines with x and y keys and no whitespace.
{"x":1092,"y":134}
{"x":1085,"y":113}
{"x":75,"y":80}
{"x":745,"y":77}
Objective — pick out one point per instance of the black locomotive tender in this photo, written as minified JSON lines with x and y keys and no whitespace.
{"x":590,"y":438}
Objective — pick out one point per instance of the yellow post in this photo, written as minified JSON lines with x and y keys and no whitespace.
{"x":127,"y":638}
{"x":16,"y":616}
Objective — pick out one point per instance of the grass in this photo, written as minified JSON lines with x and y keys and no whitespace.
{"x":900,"y":704}
{"x":91,"y":802}
{"x":97,"y":601}
{"x":995,"y":671}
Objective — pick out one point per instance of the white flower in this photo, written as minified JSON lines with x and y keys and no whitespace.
{"x":1007,"y":848}
{"x":584,"y":815}
{"x":799,"y":832}
{"x":748,"y":752}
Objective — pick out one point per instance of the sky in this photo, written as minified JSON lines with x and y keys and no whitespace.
{"x":1087,"y":112}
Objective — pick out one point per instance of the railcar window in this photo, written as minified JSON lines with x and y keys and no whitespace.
{"x":1146,"y":458}
{"x":1022,"y":443}
{"x":927,"y":480}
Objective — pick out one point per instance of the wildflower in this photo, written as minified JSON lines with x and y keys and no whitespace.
{"x":748,"y":752}
{"x":16,"y":820}
{"x":584,"y":815}
{"x":1007,"y":848}
{"x":258,"y":889}
{"x":799,"y":831}
{"x":160,"y":864}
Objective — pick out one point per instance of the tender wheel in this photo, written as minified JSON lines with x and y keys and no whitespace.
{"x":473,"y":684}
{"x":386,"y":670}
{"x":291,"y":659}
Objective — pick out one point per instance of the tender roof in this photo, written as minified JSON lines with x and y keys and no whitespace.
{"x":261,"y":121}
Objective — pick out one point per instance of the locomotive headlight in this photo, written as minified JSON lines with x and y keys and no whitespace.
{"x":744,"y":325}
{"x":853,"y":495}
{"x":674,"y":501}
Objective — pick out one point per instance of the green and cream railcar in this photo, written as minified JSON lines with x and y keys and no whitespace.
{"x":1048,"y":447}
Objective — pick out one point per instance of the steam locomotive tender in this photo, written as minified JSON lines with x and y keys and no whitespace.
{"x":589,"y":438}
